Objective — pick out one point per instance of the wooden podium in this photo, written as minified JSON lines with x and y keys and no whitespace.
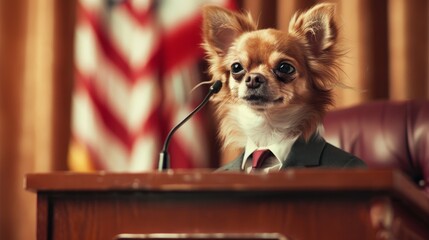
{"x":294,"y":204}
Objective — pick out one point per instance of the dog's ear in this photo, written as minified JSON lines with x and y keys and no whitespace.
{"x":221,"y":27}
{"x":317,"y":26}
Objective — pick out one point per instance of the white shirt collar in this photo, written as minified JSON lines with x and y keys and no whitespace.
{"x":280,"y":150}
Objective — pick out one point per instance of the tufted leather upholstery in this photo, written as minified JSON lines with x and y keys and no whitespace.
{"x":385,"y":134}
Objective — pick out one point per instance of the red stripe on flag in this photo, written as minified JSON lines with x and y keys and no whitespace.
{"x":142,"y":17}
{"x":180,"y":157}
{"x":105,"y":43}
{"x":182,"y":44}
{"x":117,"y":59}
{"x":112,"y":124}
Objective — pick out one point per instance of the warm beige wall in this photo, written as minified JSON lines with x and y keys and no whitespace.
{"x":36,"y":78}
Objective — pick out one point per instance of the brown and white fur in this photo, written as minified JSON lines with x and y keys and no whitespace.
{"x":284,"y":85}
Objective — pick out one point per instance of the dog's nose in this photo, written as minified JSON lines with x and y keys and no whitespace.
{"x":255,"y":80}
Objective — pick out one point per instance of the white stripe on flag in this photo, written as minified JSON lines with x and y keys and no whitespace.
{"x":135,"y":42}
{"x":90,"y":129}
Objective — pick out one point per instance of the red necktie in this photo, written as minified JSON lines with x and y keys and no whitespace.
{"x":259,"y":156}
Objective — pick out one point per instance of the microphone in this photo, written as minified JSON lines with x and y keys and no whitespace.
{"x":164,"y":158}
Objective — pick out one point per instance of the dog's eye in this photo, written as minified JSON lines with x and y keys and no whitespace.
{"x":285,"y":68}
{"x":236,"y":68}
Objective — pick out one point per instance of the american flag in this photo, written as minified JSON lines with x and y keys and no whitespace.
{"x":136,"y":62}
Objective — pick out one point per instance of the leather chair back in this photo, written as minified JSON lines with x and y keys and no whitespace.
{"x":385,"y":134}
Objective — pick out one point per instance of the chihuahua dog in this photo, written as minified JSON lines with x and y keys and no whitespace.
{"x":277,"y":86}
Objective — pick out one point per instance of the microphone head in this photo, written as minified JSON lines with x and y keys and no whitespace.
{"x":215,"y":88}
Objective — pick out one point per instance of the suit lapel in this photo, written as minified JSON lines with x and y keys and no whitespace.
{"x":234,"y":165}
{"x":305,"y":154}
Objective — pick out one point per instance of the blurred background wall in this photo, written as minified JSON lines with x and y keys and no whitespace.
{"x":387,"y":58}
{"x":36,"y":76}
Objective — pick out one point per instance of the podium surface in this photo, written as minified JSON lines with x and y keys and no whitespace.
{"x":298,"y":204}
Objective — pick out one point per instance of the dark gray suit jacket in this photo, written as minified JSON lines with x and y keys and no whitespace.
{"x":314,"y":153}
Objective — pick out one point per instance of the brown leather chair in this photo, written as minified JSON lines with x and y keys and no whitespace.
{"x":385,"y":134}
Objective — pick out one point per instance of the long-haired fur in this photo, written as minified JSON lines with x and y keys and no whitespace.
{"x":310,"y":45}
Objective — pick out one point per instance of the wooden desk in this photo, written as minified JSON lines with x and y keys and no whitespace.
{"x":299,"y":204}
